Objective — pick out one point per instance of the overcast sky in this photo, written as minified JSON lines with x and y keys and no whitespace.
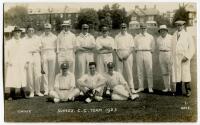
{"x":162,"y":7}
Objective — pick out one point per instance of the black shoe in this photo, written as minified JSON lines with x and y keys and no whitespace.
{"x":188,"y":93}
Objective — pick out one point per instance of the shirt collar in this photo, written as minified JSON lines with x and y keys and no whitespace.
{"x":82,"y":35}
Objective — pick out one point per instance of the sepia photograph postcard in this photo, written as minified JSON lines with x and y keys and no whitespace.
{"x":100,"y":61}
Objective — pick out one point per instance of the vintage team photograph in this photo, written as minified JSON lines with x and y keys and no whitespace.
{"x":100,"y":62}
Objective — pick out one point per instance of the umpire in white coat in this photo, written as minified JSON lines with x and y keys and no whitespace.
{"x":183,"y":51}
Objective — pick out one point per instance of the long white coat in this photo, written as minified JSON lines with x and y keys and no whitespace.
{"x":182,"y":47}
{"x":16,"y":57}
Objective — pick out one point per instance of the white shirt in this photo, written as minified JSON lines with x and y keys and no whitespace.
{"x":48,"y":41}
{"x":66,"y":40}
{"x":65,"y":82}
{"x":108,"y":42}
{"x":144,"y":42}
{"x":165,"y":43}
{"x":85,"y":41}
{"x":33,"y":47}
{"x":115,"y":79}
{"x":123,"y":44}
{"x":92,"y":81}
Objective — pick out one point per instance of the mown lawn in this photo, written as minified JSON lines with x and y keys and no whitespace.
{"x":148,"y":108}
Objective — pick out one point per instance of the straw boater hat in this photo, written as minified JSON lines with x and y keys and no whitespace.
{"x":66,"y":23}
{"x":17,"y":29}
{"x":180,"y":22}
{"x":163,"y":27}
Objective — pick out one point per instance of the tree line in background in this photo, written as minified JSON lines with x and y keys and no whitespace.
{"x":111,"y":16}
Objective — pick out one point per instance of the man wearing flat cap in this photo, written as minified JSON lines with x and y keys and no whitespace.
{"x":144,"y":47}
{"x":124,"y":45}
{"x":64,"y":88}
{"x":164,"y":42}
{"x":66,"y":43}
{"x":117,"y":84}
{"x":33,"y":48}
{"x":183,"y":51}
{"x":48,"y":41}
{"x":16,"y":62}
{"x":85,"y":46}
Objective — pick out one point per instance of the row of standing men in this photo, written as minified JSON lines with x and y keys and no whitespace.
{"x":38,"y":55}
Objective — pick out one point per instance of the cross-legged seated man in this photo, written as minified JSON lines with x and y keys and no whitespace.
{"x":92,"y":84}
{"x":119,"y":87}
{"x":64,"y":88}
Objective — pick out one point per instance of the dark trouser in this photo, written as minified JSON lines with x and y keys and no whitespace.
{"x":179,"y":88}
{"x":12,"y":92}
{"x":187,"y":87}
{"x":22,"y":91}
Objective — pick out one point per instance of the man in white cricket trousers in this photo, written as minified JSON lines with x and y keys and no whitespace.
{"x":48,"y":41}
{"x":104,"y":46}
{"x":124,"y":45}
{"x":64,"y":88}
{"x":183,"y":51}
{"x":16,"y":62}
{"x":33,"y":47}
{"x":144,"y":47}
{"x":85,"y":44}
{"x":66,"y":44}
{"x":92,"y":84}
{"x":118,"y":85}
{"x":164,"y":42}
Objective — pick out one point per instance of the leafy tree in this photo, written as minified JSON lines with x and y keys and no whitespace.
{"x":162,"y":20}
{"x":181,"y":14}
{"x":88,"y":16}
{"x":118,"y":16}
{"x":17,"y":15}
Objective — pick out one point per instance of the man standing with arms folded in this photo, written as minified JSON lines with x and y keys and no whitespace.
{"x":33,"y":47}
{"x":104,"y":46}
{"x":144,"y":47}
{"x":85,"y":43}
{"x":48,"y":41}
{"x":183,"y":51}
{"x":66,"y":43}
{"x":124,"y":45}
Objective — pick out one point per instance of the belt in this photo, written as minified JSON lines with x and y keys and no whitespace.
{"x":63,"y":89}
{"x":48,"y":49}
{"x":143,"y":50}
{"x":164,"y":50}
{"x":66,"y":49}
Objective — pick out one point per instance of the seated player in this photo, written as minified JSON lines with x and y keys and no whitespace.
{"x":92,"y":84}
{"x":64,"y":88}
{"x":119,"y":87}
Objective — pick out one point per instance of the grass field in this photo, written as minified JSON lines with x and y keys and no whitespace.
{"x":148,"y":108}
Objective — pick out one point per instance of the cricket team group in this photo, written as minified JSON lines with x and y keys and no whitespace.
{"x":33,"y":57}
